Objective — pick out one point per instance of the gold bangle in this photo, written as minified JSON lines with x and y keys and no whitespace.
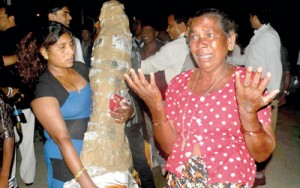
{"x":79,"y":173}
{"x":161,"y":124}
{"x":253,"y":133}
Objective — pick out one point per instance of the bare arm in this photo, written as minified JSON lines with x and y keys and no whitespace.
{"x":8,"y":150}
{"x":164,"y":133}
{"x":9,"y":60}
{"x":8,"y":93}
{"x":250,"y":99}
{"x":48,"y":112}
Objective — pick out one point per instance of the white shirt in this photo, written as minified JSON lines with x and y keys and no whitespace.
{"x":298,"y":61}
{"x":78,"y":50}
{"x":263,"y":51}
{"x":169,"y":58}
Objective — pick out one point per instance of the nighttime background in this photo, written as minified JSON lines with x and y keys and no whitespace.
{"x":285,"y":15}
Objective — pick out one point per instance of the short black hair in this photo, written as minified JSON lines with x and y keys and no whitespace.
{"x":55,"y":5}
{"x":179,"y":15}
{"x":9,"y":10}
{"x":150,"y":22}
{"x":86,"y":27}
{"x":262,"y":11}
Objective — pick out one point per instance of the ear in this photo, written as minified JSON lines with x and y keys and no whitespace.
{"x":51,"y":17}
{"x":231,"y":41}
{"x":182,"y":27}
{"x":44,"y":53}
{"x":11,"y":19}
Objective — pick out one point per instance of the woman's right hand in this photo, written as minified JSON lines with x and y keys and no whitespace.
{"x":149,"y":92}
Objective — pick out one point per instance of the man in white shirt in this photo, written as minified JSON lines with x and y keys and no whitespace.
{"x":171,"y":56}
{"x":58,"y":11}
{"x":263,"y":51}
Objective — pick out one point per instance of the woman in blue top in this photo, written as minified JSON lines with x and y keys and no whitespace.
{"x":62,"y":100}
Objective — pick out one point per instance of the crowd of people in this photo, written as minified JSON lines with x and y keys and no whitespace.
{"x":208,"y":113}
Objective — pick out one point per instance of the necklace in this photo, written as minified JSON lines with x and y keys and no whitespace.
{"x":73,"y":87}
{"x":186,"y":137}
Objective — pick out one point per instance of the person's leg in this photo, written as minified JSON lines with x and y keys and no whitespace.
{"x":140,"y":163}
{"x":156,"y":157}
{"x":13,"y":169}
{"x":28,"y":163}
{"x":274,"y":112}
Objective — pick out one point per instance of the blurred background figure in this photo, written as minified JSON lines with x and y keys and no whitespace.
{"x":58,"y":11}
{"x":86,"y":44}
{"x":286,"y":76}
{"x":20,"y":94}
{"x":97,"y":29}
{"x":6,"y":142}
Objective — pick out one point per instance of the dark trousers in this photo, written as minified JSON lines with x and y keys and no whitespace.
{"x":140,"y":163}
{"x":262,"y":165}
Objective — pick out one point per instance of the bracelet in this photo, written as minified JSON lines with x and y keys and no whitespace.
{"x":161,"y":124}
{"x":133,"y":114}
{"x":79,"y":173}
{"x":253,"y":133}
{"x":10,"y":91}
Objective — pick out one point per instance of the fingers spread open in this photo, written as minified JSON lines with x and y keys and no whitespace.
{"x":257,"y":77}
{"x":263,"y":85}
{"x":237,"y":79}
{"x":267,"y":99}
{"x":247,"y":80}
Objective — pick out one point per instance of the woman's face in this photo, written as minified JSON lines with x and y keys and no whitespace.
{"x":208,"y":42}
{"x":61,"y":54}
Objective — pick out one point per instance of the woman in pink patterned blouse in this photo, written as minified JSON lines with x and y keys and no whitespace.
{"x":216,"y":121}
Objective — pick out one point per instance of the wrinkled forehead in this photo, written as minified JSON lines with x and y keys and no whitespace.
{"x":206,"y":20}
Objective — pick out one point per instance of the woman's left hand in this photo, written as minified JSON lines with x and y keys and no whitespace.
{"x":250,"y":93}
{"x":122,"y":114}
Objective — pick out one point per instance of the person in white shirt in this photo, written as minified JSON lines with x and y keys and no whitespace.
{"x":263,"y":51}
{"x":171,"y":56}
{"x":58,"y":11}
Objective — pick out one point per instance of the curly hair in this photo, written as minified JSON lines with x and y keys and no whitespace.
{"x":31,"y":63}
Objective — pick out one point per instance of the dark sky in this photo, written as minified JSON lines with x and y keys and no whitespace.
{"x":286,"y":15}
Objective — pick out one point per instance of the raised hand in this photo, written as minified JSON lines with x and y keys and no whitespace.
{"x":149,"y":92}
{"x":251,"y":93}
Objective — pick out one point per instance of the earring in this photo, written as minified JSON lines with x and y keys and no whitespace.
{"x":46,"y":57}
